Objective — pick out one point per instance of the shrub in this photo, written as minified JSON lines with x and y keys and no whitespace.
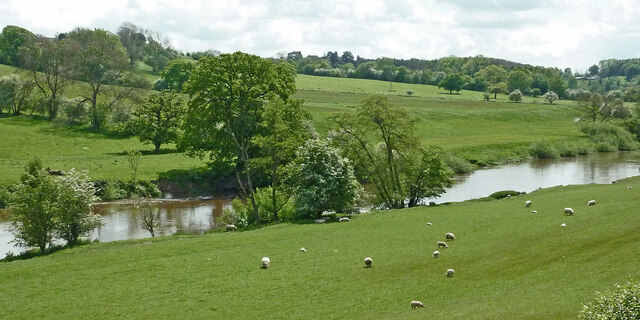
{"x":238,"y":215}
{"x":504,"y":194}
{"x":486,"y":96}
{"x":566,"y":149}
{"x":457,"y":164}
{"x":535,"y":92}
{"x":409,"y":92}
{"x":515,"y":96}
{"x":543,"y":150}
{"x":609,"y":137}
{"x":550,"y":96}
{"x":583,"y":148}
{"x":265,"y":205}
{"x":623,"y":302}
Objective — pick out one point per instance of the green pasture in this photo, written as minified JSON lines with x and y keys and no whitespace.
{"x":508,"y":262}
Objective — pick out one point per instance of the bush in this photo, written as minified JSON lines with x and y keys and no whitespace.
{"x":543,"y":150}
{"x":583,"y":148}
{"x":609,"y":137}
{"x":566,"y":149}
{"x":486,"y":96}
{"x":265,"y":205}
{"x":238,"y":215}
{"x":457,"y":164}
{"x":515,"y":95}
{"x":4,"y":197}
{"x":504,"y":194}
{"x":623,"y":302}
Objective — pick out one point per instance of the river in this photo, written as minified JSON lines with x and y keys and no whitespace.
{"x":198,"y":216}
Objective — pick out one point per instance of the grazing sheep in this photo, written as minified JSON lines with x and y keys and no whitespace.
{"x":265,"y":262}
{"x":534,"y":211}
{"x":416,"y":304}
{"x":435,"y":254}
{"x":428,"y":223}
{"x":321,"y":221}
{"x":344,"y":219}
{"x":303,"y":249}
{"x":231,"y":227}
{"x":568,"y":211}
{"x":442,"y":244}
{"x":563,"y":225}
{"x":368,"y":262}
{"x":527,"y":204}
{"x":450,"y":273}
{"x":508,"y":196}
{"x":449,"y":236}
{"x":629,"y":187}
{"x":591,"y":203}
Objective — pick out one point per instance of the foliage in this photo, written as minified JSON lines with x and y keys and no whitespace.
{"x":486,"y":96}
{"x":609,"y":137}
{"x":428,"y":175}
{"x":149,"y":217}
{"x":133,"y":159}
{"x":133,"y":40}
{"x":228,"y":95}
{"x":500,"y":87}
{"x":515,"y":96}
{"x":452,"y":82}
{"x":503,"y":194}
{"x":12,"y":39}
{"x":75,"y":195}
{"x":543,"y":149}
{"x":158,"y":120}
{"x":238,"y":215}
{"x":550,"y":96}
{"x":409,"y":92}
{"x":270,"y":201}
{"x":519,"y":79}
{"x":322,"y":180}
{"x":176,"y":74}
{"x":620,"y":303}
{"x":15,"y":93}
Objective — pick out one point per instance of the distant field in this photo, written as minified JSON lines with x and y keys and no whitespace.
{"x":479,"y":131}
{"x":509,"y":264}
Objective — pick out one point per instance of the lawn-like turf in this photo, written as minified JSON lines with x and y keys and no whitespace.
{"x":509,"y":264}
{"x":479,"y":131}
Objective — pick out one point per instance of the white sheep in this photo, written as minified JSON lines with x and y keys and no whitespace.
{"x":265,"y":262}
{"x":568,"y":211}
{"x":629,"y":187}
{"x":449,"y":236}
{"x":508,"y":196}
{"x":416,"y":304}
{"x":527,"y":204}
{"x":435,"y":254}
{"x":368,"y":261}
{"x":231,"y":227}
{"x":303,"y":249}
{"x":320,"y":221}
{"x":442,"y":244}
{"x":450,"y":273}
{"x":428,"y":223}
{"x":345,"y":219}
{"x":534,"y":211}
{"x":563,"y":225}
{"x":591,"y":203}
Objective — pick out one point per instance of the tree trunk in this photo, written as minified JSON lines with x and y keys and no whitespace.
{"x":157,"y":145}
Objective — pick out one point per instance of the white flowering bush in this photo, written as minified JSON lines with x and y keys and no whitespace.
{"x":621,"y":303}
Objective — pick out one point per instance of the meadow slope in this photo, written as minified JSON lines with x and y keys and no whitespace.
{"x":509,"y":263}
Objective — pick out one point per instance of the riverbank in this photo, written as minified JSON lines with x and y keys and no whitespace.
{"x":509,"y":263}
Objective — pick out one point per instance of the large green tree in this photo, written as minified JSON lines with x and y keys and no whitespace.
{"x":452,"y":82}
{"x":519,"y":79}
{"x":176,"y":74}
{"x":74,"y":216}
{"x":133,"y":40}
{"x":99,"y":59}
{"x":380,"y":139}
{"x":228,"y":96}
{"x":158,"y":120}
{"x":12,"y":39}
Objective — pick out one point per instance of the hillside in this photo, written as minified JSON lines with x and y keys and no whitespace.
{"x":509,"y":264}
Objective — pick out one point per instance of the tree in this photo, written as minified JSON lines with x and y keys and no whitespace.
{"x":99,"y":59}
{"x":593,"y":70}
{"x":158,"y":52}
{"x":550,"y":96}
{"x":379,"y":138}
{"x":133,"y":40}
{"x":133,"y":158}
{"x":15,"y":93}
{"x":500,"y":87}
{"x":322,"y":180}
{"x":515,"y":96}
{"x":49,"y":63}
{"x":519,"y":79}
{"x":228,"y":96}
{"x":283,"y":129}
{"x":428,"y":175}
{"x":557,"y":85}
{"x":409,"y":92}
{"x":33,"y":209}
{"x":492,"y":74}
{"x":149,"y":217}
{"x":158,"y":120}
{"x":333,"y":58}
{"x":11,"y":40}
{"x":75,"y":196}
{"x":452,"y":82}
{"x":176,"y":74}
{"x":347,"y":57}
{"x":620,"y":303}
{"x":294,"y":55}
{"x":591,"y":104}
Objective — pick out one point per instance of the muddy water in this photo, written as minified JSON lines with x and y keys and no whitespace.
{"x":197,"y":216}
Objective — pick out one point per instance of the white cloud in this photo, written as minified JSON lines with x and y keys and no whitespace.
{"x":574,"y":33}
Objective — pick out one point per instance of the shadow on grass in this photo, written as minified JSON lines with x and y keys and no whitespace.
{"x":147,"y":152}
{"x":37,"y":253}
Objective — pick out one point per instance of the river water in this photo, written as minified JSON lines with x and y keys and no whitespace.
{"x":198,"y":216}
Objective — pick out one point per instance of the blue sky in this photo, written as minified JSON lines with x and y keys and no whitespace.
{"x":558,"y":33}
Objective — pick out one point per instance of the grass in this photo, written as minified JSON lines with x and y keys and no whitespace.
{"x":481,"y":132}
{"x":509,"y":263}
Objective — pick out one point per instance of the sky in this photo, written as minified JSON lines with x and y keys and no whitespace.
{"x":552,"y":33}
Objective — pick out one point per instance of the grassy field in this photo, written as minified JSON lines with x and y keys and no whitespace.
{"x":479,"y":131}
{"x":509,"y":264}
